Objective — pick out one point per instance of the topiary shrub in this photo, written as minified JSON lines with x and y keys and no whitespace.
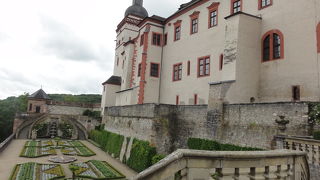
{"x":316,"y":135}
{"x":141,"y":155}
{"x":157,"y":158}
{"x":205,"y":144}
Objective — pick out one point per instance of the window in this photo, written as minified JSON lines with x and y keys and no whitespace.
{"x":156,"y":39}
{"x":213,"y":14}
{"x":139,"y":70}
{"x":177,"y":30}
{"x":177,"y":99}
{"x":272,"y":46}
{"x":213,"y":18}
{"x":318,"y":38}
{"x":296,"y":93}
{"x":236,"y":6}
{"x":204,"y":66}
{"x":188,"y":68}
{"x":194,"y":26}
{"x":221,"y":62}
{"x":154,"y":70}
{"x":177,"y":72}
{"x":165,"y":40}
{"x":141,"y":39}
{"x":195,"y":99}
{"x":264,"y":3}
{"x":194,"y":22}
{"x":30,"y":107}
{"x":177,"y":33}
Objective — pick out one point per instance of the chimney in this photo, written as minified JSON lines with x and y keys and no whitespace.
{"x":137,"y":2}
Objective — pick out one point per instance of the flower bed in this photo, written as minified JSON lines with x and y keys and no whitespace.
{"x":96,"y":170}
{"x":34,"y":171}
{"x":80,"y":151}
{"x":70,"y":143}
{"x":33,"y":152}
{"x":39,"y":143}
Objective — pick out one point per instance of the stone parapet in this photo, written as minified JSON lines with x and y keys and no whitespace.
{"x":209,"y":165}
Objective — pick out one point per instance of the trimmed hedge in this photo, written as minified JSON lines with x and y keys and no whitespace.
{"x":109,"y":142}
{"x":205,"y":144}
{"x":141,"y":155}
{"x":316,"y":135}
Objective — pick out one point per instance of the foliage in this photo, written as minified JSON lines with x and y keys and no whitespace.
{"x":316,"y":135}
{"x":83,"y":98}
{"x":314,"y":113}
{"x":157,"y":158}
{"x":67,"y":130}
{"x":35,"y":171}
{"x":141,"y":155}
{"x":93,"y":114}
{"x":8,"y":108}
{"x":42,"y":129}
{"x":205,"y":144}
{"x":94,"y":169}
{"x":110,"y":142}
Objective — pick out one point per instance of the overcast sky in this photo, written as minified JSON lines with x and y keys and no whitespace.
{"x":65,"y":46}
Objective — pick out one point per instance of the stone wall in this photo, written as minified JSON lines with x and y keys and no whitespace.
{"x":66,"y":110}
{"x":168,"y":127}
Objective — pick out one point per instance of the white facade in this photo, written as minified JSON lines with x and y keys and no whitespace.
{"x":238,"y":37}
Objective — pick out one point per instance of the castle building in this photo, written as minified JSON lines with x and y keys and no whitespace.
{"x":241,"y":51}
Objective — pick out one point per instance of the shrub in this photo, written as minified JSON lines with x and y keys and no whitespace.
{"x":316,"y":135}
{"x":157,"y":158}
{"x":110,"y":142}
{"x":141,"y":155}
{"x":204,"y":144}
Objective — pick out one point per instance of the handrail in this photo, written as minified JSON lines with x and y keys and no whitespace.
{"x":6,"y":142}
{"x":252,"y":160}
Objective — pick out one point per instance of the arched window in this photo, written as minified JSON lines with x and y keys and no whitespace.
{"x":318,"y":38}
{"x":272,"y":46}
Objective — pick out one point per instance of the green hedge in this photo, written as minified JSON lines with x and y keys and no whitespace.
{"x":316,"y":135}
{"x":110,"y":142}
{"x":205,"y":144}
{"x":141,"y":155}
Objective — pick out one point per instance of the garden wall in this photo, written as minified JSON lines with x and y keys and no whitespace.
{"x":168,"y":127}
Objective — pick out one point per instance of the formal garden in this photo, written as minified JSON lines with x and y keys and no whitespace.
{"x":89,"y":169}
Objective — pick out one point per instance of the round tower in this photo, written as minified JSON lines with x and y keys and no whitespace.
{"x":137,"y":9}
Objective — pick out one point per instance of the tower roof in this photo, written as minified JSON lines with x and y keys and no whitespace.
{"x":40,"y":94}
{"x":137,"y":9}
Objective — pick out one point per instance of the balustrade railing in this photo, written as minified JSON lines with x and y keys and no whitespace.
{"x":209,"y":165}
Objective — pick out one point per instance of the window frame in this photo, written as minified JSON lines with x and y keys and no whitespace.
{"x":318,"y":37}
{"x":141,"y":39}
{"x":232,"y":6}
{"x":139,"y":69}
{"x":194,"y":22}
{"x":188,"y":68}
{"x":165,"y":39}
{"x":158,"y":39}
{"x":260,"y":4}
{"x":179,"y":78}
{"x":214,"y":7}
{"x":176,"y":26}
{"x":195,"y":99}
{"x":221,"y":62}
{"x":177,"y":99}
{"x":272,"y":57}
{"x":204,"y":66}
{"x":158,"y":70}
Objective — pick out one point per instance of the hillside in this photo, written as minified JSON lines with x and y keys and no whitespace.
{"x":82,"y":98}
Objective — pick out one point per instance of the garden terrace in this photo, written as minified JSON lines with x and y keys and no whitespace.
{"x":10,"y":158}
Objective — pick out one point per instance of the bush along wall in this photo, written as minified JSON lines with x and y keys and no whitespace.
{"x":209,"y":145}
{"x":142,"y":154}
{"x":109,"y":142}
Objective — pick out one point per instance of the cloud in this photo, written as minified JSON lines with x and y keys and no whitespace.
{"x":60,"y":41}
{"x":3,"y":37}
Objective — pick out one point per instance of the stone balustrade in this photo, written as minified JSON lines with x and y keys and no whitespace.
{"x":225,"y":165}
{"x":6,"y":142}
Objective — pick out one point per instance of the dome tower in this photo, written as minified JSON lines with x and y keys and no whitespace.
{"x":137,"y":9}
